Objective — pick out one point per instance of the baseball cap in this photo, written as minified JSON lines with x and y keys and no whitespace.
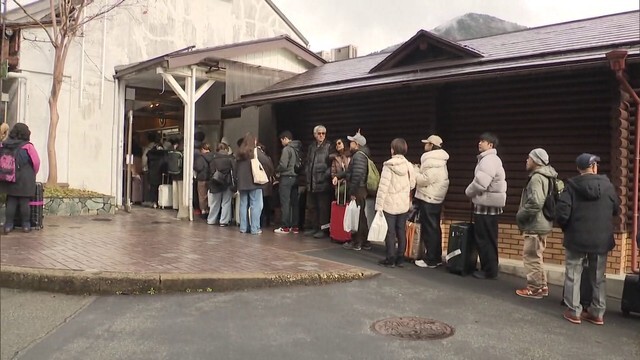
{"x":358,"y":139}
{"x":433,"y":139}
{"x":584,"y":160}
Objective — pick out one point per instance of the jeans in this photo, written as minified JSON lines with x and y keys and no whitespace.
{"x":574,"y":266}
{"x":486,"y":236}
{"x":250,"y":201}
{"x":396,"y":240}
{"x":289,"y":201}
{"x":219,"y":205}
{"x":532,"y":256}
{"x":430,"y":232}
{"x":15,"y":203}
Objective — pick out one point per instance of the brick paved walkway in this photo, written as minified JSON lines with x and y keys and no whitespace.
{"x":153,"y":241}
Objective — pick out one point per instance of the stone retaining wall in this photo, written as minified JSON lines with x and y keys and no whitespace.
{"x":79,"y":206}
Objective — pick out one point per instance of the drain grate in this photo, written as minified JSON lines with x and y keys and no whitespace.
{"x":101,"y":219}
{"x":413,"y":328}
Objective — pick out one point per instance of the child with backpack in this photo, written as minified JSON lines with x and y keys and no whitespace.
{"x":19,"y":164}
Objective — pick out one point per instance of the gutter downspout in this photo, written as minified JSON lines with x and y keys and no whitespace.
{"x":617,"y":60}
{"x":21,"y":116}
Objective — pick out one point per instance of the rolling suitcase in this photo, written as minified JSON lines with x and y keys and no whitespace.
{"x":462,"y":254}
{"x":336,"y":228}
{"x":36,"y":210}
{"x":165,"y":196}
{"x":630,"y":295}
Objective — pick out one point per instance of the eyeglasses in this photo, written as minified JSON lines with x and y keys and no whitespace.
{"x":320,"y":133}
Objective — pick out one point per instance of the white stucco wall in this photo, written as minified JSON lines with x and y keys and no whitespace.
{"x":135,"y":32}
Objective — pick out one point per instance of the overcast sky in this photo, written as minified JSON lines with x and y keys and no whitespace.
{"x":372,"y":25}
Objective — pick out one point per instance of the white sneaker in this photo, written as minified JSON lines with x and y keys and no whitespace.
{"x":282,"y":230}
{"x":420,"y":263}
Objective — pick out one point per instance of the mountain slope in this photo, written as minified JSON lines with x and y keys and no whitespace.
{"x":470,"y":26}
{"x":473,"y":26}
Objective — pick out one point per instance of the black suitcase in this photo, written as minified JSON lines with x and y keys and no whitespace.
{"x":631,"y":295}
{"x":462,"y":254}
{"x":36,"y":211}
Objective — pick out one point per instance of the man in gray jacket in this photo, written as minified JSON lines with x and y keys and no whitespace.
{"x":533,"y":224}
{"x":488,"y":192}
{"x":288,"y":189}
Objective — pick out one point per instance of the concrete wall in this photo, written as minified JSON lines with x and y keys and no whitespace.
{"x":87,"y":149}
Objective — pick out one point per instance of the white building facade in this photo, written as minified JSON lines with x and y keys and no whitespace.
{"x":89,"y":134}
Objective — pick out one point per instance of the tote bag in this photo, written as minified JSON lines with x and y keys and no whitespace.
{"x":259,"y":175}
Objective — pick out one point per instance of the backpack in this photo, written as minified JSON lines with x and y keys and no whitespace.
{"x":298,"y":166}
{"x":174,"y":162}
{"x":373,"y":176}
{"x":9,"y":163}
{"x":556,"y":186}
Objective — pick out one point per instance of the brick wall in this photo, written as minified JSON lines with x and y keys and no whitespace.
{"x":510,"y":243}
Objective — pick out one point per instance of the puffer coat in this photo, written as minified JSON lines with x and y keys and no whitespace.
{"x":397,"y":179}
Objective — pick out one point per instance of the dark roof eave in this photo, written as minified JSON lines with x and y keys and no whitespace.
{"x":436,"y":80}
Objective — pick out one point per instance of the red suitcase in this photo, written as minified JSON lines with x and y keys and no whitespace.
{"x":336,"y":227}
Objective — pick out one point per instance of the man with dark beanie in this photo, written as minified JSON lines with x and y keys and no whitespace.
{"x":584,"y":212}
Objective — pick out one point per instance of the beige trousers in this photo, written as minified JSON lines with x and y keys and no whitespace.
{"x":534,"y":245}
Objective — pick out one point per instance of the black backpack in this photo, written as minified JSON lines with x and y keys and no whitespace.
{"x":174,"y":162}
{"x":556,"y":186}
{"x":298,"y":166}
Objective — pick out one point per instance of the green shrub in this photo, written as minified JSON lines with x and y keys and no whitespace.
{"x":59,"y":192}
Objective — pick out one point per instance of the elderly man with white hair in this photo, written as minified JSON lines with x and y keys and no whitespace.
{"x":319,"y":185}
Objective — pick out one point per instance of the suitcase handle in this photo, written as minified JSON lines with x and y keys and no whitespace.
{"x":338,"y":191}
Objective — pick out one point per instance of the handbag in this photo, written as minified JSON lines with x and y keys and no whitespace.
{"x":378,"y":228}
{"x":219,"y":178}
{"x":351,"y":217}
{"x":414,"y":249}
{"x":259,"y":175}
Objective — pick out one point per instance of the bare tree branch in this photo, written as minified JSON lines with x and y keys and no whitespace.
{"x":102,"y":11}
{"x":35,"y":20}
{"x":54,"y":20}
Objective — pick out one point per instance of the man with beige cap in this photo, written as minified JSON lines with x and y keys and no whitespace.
{"x":432,"y":183}
{"x":533,"y":224}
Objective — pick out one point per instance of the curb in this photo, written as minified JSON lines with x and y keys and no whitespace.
{"x":125,"y":283}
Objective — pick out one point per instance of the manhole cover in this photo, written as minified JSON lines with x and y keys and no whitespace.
{"x":101,"y":219}
{"x":161,"y":222}
{"x":413,"y":328}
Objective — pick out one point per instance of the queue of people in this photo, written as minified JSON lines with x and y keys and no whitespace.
{"x":583,"y":207}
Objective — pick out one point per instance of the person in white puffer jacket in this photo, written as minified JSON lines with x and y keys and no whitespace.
{"x":432,"y":184}
{"x":393,"y":198}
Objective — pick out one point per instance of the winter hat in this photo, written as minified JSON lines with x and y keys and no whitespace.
{"x":583,"y":161}
{"x":539,"y":156}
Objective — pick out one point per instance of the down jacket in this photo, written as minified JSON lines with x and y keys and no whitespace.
{"x":358,"y":170}
{"x":28,"y":163}
{"x":432,"y":181}
{"x":530,"y":218}
{"x":396,"y":181}
{"x":584,"y":212}
{"x":489,"y":185}
{"x":318,"y":167}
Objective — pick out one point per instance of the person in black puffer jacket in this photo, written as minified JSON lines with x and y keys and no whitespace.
{"x":221,"y":192}
{"x":584,"y":212}
{"x":357,"y":188}
{"x":319,"y":186}
{"x":24,"y":188}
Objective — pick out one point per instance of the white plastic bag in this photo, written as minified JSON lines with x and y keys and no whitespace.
{"x":378,"y":228}
{"x":351,"y":217}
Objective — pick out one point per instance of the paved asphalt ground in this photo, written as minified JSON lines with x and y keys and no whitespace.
{"x":327,"y":322}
